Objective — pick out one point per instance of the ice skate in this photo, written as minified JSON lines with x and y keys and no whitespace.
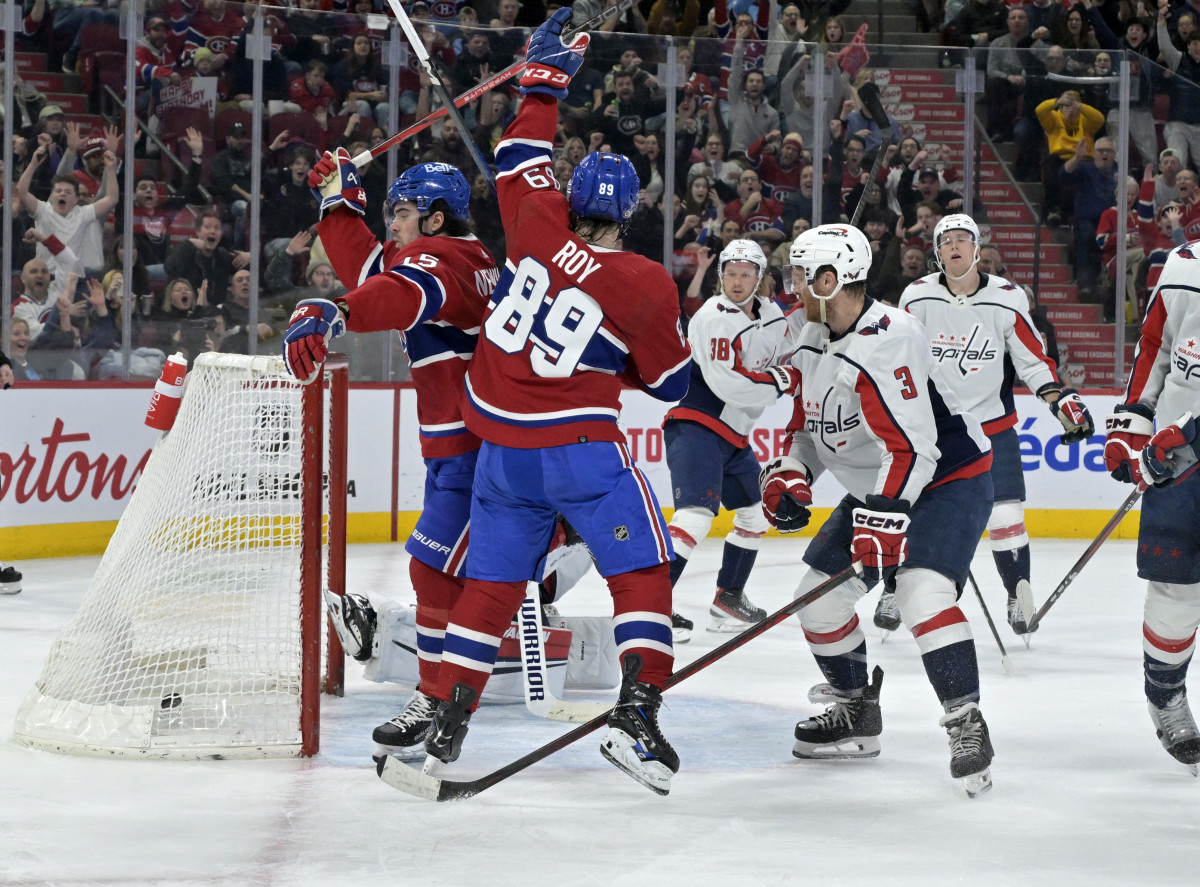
{"x":634,"y":742}
{"x":404,"y":735}
{"x":1021,"y":611}
{"x":887,"y":613}
{"x":681,"y":628}
{"x":970,"y":748}
{"x":10,"y":579}
{"x":354,"y":620}
{"x":732,"y":611}
{"x":849,"y":727}
{"x":1176,"y":729}
{"x":449,"y":727}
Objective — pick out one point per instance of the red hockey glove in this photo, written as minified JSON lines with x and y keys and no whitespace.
{"x":879,"y":536}
{"x":306,"y":342}
{"x":786,"y":494}
{"x":1076,"y":420}
{"x":549,"y":63}
{"x":1171,"y":454}
{"x":340,"y":186}
{"x":786,"y":379}
{"x":1129,"y":429}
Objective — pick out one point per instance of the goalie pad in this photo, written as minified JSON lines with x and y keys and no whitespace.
{"x":589,"y":662}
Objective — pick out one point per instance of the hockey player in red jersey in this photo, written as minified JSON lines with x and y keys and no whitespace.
{"x":572,"y":319}
{"x":430,"y":283}
{"x":1165,"y":382}
{"x":870,"y":410}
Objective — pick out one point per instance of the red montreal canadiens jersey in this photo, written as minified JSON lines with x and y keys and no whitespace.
{"x":433,"y":292}
{"x":569,"y":323}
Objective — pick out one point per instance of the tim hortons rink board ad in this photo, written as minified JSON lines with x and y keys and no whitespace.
{"x":70,"y":459}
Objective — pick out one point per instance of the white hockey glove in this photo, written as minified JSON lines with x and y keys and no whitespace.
{"x":785,"y":378}
{"x":1074,"y":416}
{"x":786,"y":494}
{"x":1171,"y":454}
{"x":1129,"y":429}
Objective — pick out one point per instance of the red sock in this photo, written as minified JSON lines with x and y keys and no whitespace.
{"x":437,"y":593}
{"x":486,"y":609}
{"x":645,"y":591}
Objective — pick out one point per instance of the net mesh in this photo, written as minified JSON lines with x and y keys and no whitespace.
{"x":187,"y":643}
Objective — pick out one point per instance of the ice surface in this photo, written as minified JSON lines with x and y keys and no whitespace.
{"x":1084,"y":794}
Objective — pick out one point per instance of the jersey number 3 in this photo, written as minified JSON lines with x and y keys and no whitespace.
{"x":560,"y":324}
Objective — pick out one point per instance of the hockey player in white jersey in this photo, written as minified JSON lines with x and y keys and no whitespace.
{"x":1165,"y":383}
{"x":737,"y":338}
{"x":980,"y":331}
{"x":871,"y":410}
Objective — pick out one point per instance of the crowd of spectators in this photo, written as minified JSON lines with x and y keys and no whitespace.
{"x":745,"y":121}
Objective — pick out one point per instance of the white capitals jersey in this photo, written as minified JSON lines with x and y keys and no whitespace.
{"x":870,"y":409}
{"x":969,"y":337}
{"x":730,"y":350}
{"x":1166,"y":365}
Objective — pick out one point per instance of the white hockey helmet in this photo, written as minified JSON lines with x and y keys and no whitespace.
{"x":743,"y":251}
{"x":843,"y":247}
{"x":955,"y":222}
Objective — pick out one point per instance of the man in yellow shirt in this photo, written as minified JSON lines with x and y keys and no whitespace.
{"x":1066,"y":121}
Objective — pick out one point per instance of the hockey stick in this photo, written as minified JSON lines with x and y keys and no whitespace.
{"x":538,"y":698}
{"x":480,"y":89}
{"x":868,"y":97}
{"x":1008,"y":669}
{"x":1126,"y":507}
{"x":411,"y":780}
{"x":440,"y":90}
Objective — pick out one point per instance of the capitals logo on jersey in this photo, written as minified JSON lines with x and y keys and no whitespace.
{"x":829,"y":430}
{"x":879,"y":326}
{"x":967,"y":353}
{"x":1185,"y":252}
{"x":1187,"y":359}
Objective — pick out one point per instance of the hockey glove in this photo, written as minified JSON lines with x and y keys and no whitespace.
{"x":335,"y":182}
{"x":879,"y":536}
{"x":549,"y":63}
{"x":1076,"y":420}
{"x":1171,"y":454}
{"x":306,"y":342}
{"x":786,"y":494}
{"x":786,"y":379}
{"x":1129,"y":428}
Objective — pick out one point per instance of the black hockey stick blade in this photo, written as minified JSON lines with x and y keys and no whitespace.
{"x":412,"y":781}
{"x":1126,"y":507}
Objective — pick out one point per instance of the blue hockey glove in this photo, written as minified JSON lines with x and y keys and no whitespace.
{"x":1076,"y":420}
{"x":306,"y":342}
{"x":549,"y":63}
{"x":879,"y":540}
{"x":335,"y":182}
{"x":1171,"y":454}
{"x":786,"y":494}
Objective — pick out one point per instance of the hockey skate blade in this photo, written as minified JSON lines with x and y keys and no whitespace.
{"x":855,"y":747}
{"x":411,"y":754}
{"x":977,"y":783}
{"x":727,"y":625}
{"x":408,"y":779}
{"x":619,"y":748}
{"x":680,"y":635}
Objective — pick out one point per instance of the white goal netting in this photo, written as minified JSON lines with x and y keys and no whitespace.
{"x":188,"y":641}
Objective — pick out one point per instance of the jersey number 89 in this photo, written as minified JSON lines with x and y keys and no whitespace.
{"x":560,"y":324}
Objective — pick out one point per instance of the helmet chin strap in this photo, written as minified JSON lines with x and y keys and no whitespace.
{"x":974,"y":264}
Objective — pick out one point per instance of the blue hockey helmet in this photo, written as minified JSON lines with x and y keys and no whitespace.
{"x":427,"y":182}
{"x":604,"y":186}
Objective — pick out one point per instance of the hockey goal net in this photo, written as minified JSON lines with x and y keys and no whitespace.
{"x":201,"y":633}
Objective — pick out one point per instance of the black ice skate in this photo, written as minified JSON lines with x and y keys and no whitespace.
{"x":449,"y":727}
{"x":681,"y":628}
{"x":887,"y":613}
{"x":10,"y":579}
{"x":354,"y":621}
{"x":404,"y":735}
{"x":732,"y":611}
{"x":634,"y":742}
{"x":1176,"y":729}
{"x":848,"y":728}
{"x":1021,"y":610}
{"x":970,"y":748}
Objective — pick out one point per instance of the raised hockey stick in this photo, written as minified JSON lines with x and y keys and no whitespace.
{"x":538,"y":697}
{"x":1008,"y":669}
{"x":482,"y":88}
{"x":411,"y":780}
{"x":1126,"y":507}
{"x":868,"y":97}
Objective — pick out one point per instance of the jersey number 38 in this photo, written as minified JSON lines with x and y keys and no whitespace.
{"x":559,"y":324}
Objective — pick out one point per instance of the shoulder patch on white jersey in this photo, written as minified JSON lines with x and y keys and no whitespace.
{"x":879,"y":326}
